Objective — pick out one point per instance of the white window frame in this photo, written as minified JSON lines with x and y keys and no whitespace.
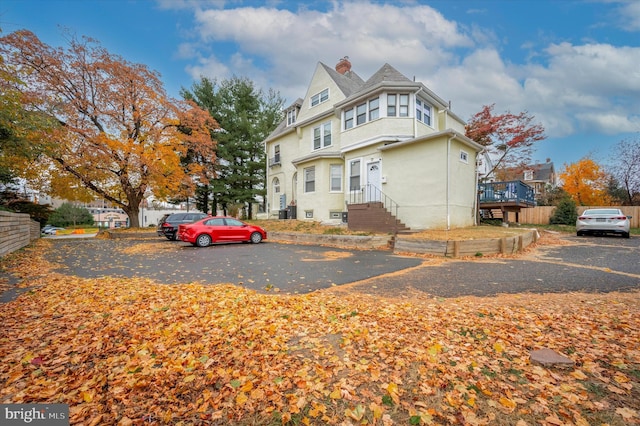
{"x":291,"y":117}
{"x":528,"y":175}
{"x":352,"y":176}
{"x":335,"y":178}
{"x":374,"y":108}
{"x":349,"y":119}
{"x":398,"y":104}
{"x":319,"y":98}
{"x":310,"y":179}
{"x":361,"y":114}
{"x":276,"y":185}
{"x":464,"y":156}
{"x":421,"y":107}
{"x":276,"y":154}
{"x":321,"y":134}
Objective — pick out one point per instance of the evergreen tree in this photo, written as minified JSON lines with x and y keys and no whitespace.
{"x":565,"y":214}
{"x":246,"y":116}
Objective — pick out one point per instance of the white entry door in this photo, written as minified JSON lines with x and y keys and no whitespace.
{"x":374,"y":181}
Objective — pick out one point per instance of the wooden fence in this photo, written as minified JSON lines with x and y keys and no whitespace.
{"x":17,"y":230}
{"x":540,"y":215}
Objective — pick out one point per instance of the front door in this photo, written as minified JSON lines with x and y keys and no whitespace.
{"x":374,"y":181}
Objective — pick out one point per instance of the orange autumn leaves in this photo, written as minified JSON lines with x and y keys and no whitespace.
{"x":120,"y":351}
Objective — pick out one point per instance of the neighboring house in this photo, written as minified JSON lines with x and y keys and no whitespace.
{"x":349,"y":144}
{"x":540,"y":176}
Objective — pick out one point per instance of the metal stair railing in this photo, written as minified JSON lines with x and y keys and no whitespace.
{"x":372,"y":194}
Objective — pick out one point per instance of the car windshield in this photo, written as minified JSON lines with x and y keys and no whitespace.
{"x":601,"y":211}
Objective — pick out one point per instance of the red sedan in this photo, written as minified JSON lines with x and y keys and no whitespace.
{"x":220,"y":229}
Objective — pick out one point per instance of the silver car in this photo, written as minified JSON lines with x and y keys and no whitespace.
{"x":603,"y":221}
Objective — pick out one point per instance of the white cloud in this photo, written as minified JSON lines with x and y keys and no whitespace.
{"x":630,"y":15}
{"x":290,"y":44}
{"x":568,"y":88}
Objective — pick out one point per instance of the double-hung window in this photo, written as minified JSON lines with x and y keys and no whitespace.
{"x":423,"y":112}
{"x":335,"y":172}
{"x":318,"y":98}
{"x":354,"y":175}
{"x":391,"y":105}
{"x":291,"y":117}
{"x":361,"y":114}
{"x":348,"y":119}
{"x":374,"y":108}
{"x":322,"y":136}
{"x":397,"y":105}
{"x":310,"y":179}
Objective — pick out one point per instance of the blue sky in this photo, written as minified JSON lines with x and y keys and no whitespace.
{"x":573,"y":64}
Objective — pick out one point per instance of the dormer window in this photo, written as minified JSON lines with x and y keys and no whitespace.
{"x":319,"y":98}
{"x":291,"y":117}
{"x":528,"y":175}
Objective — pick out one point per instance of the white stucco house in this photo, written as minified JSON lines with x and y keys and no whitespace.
{"x":350,"y":145}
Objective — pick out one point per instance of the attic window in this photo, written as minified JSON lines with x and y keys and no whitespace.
{"x":528,"y":175}
{"x":318,"y":98}
{"x":291,"y":117}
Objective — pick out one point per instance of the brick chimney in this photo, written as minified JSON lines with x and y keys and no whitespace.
{"x":343,"y":65}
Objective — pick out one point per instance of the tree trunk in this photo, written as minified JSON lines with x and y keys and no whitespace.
{"x":133,"y":212}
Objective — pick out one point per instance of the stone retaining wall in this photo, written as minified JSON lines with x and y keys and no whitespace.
{"x":506,"y":245}
{"x":403,"y":244}
{"x":342,"y":241}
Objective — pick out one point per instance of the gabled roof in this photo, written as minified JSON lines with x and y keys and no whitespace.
{"x":282,"y":127}
{"x":348,"y":83}
{"x":542,"y":171}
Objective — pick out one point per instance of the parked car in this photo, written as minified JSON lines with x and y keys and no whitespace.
{"x":220,"y":229}
{"x":169,"y":226}
{"x":603,"y":221}
{"x":160,"y":222}
{"x":51,"y":230}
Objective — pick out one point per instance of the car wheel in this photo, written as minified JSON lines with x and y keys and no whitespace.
{"x":256,"y":237}
{"x":203,"y":240}
{"x":168,"y":237}
{"x":579,"y":234}
{"x":174,"y":236}
{"x":625,"y":235}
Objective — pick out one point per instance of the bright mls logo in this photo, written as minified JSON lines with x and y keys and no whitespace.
{"x":34,"y":414}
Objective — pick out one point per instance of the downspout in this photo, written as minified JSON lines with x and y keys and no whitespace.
{"x":415,"y":119}
{"x":449,"y":180}
{"x":474,"y":210}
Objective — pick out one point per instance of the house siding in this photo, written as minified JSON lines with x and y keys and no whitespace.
{"x":411,"y":156}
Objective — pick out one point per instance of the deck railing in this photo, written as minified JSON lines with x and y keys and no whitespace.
{"x":513,"y":192}
{"x":369,"y":194}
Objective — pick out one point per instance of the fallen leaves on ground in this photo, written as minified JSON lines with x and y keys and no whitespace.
{"x":131,"y":351}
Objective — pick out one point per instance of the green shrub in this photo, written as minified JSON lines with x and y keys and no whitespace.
{"x":565,"y":213}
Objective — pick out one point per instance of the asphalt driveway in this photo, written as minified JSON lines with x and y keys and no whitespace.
{"x":591,"y":264}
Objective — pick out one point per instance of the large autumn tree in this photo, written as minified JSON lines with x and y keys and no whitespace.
{"x":586,"y":182}
{"x":508,"y":138}
{"x":246,"y":116}
{"x":119,"y":136}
